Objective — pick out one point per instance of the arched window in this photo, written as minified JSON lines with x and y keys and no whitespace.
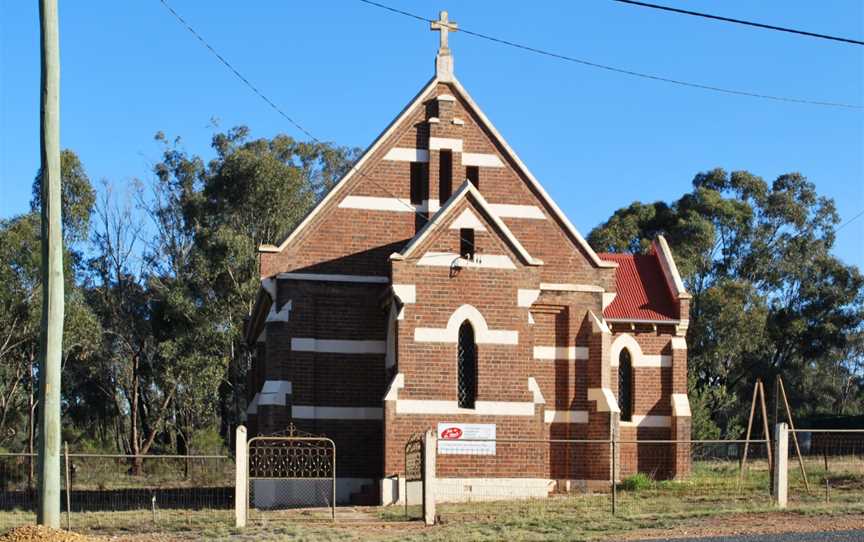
{"x":625,"y":385}
{"x":467,"y":360}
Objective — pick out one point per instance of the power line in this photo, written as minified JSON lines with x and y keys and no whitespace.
{"x":621,"y":70}
{"x":851,"y":220}
{"x":276,"y":108}
{"x":741,"y":21}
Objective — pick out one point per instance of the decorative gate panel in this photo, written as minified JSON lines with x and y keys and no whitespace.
{"x":292,"y":477}
{"x":414,"y":493}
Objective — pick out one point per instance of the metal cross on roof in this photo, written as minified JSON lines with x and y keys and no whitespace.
{"x":444,"y":26}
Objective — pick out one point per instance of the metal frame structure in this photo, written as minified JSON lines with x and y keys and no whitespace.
{"x":292,"y":456}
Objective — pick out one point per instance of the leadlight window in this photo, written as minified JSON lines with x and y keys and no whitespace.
{"x":625,"y":385}
{"x":467,"y":366}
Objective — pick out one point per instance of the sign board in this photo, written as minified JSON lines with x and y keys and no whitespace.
{"x":466,"y":438}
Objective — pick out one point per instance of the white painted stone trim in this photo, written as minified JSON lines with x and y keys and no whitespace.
{"x":282,"y":315}
{"x":481,"y":159}
{"x":608,"y":298}
{"x":447,"y":143}
{"x":396,"y":384}
{"x":534,"y":388}
{"x":445,"y":98}
{"x":407,"y":293}
{"x":315,"y":412}
{"x":648,"y":421}
{"x":652,"y":360}
{"x":481,"y":408}
{"x":642,"y":321}
{"x":402,"y":154}
{"x":482,"y":333}
{"x":670,"y":270}
{"x":565,"y":416}
{"x":338,"y":346}
{"x":605,"y":399}
{"x":274,"y":392}
{"x":458,"y":122}
{"x":375,"y":203}
{"x":680,"y":405}
{"x":325,"y":277}
{"x":252,"y":407}
{"x":451,"y":259}
{"x":438,"y":218}
{"x":526,"y":297}
{"x":509,"y":210}
{"x":269,"y":286}
{"x":679,"y":343}
{"x":568,"y":287}
{"x":491,"y":489}
{"x":599,"y":324}
{"x":570,"y":353}
{"x":467,"y":220}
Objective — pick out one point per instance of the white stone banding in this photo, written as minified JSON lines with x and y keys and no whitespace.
{"x":648,"y":421}
{"x":481,"y":408}
{"x":481,"y":261}
{"x":338,"y":346}
{"x":605,"y":399}
{"x":314,"y":412}
{"x":508,"y":210}
{"x":481,"y":159}
{"x":394,"y":205}
{"x":569,"y":287}
{"x":324,"y":277}
{"x":570,"y":353}
{"x":482,"y":333}
{"x":565,"y":416}
{"x":447,"y":143}
{"x":274,"y":392}
{"x":469,"y":220}
{"x":401,"y":154}
{"x":407,"y":293}
{"x":526,"y":297}
{"x":680,"y":405}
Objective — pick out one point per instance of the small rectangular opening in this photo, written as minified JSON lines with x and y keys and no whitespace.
{"x":419,"y":182}
{"x":445,"y":176}
{"x":466,"y":243}
{"x":473,"y":175}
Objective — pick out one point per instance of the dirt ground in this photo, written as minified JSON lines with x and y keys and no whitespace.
{"x":733,"y":524}
{"x":770,"y":523}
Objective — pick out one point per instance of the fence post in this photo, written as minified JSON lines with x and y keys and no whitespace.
{"x":430,"y":452}
{"x":781,"y":464}
{"x":614,"y":476}
{"x":241,"y":481}
{"x":68,"y":488}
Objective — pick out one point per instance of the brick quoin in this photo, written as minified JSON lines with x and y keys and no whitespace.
{"x":351,"y":324}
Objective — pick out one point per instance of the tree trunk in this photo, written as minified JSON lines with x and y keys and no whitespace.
{"x":52,"y":273}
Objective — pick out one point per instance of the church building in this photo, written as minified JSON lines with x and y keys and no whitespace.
{"x":438,"y":285}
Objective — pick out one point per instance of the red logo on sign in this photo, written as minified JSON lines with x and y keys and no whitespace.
{"x":451,"y":433}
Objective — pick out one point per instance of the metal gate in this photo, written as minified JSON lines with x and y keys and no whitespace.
{"x":414,"y":490}
{"x":292,"y":477}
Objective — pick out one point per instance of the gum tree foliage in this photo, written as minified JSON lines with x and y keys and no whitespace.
{"x":768,"y":297}
{"x":211,"y":217}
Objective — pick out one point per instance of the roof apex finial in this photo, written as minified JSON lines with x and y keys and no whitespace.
{"x":444,"y":60}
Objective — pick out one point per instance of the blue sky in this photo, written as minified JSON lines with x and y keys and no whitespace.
{"x":596,"y":140}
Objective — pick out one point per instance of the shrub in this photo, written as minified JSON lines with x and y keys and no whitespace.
{"x":637,"y":482}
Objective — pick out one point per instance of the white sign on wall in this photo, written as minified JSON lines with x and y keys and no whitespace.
{"x":466,"y":438}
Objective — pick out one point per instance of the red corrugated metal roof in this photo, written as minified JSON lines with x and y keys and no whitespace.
{"x":642,"y":293}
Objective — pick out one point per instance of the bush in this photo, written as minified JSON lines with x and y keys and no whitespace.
{"x":637,"y":482}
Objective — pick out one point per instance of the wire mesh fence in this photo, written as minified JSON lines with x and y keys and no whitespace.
{"x":548,"y":478}
{"x":830,"y":473}
{"x":123,"y":492}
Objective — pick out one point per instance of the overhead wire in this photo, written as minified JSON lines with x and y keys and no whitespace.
{"x":742,"y":22}
{"x":272,"y":105}
{"x":606,"y":67}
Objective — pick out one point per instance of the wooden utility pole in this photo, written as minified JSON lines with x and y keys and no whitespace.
{"x":48,"y":512}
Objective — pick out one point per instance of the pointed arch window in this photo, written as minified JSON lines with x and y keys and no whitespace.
{"x":625,"y":385}
{"x":467,"y":366}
